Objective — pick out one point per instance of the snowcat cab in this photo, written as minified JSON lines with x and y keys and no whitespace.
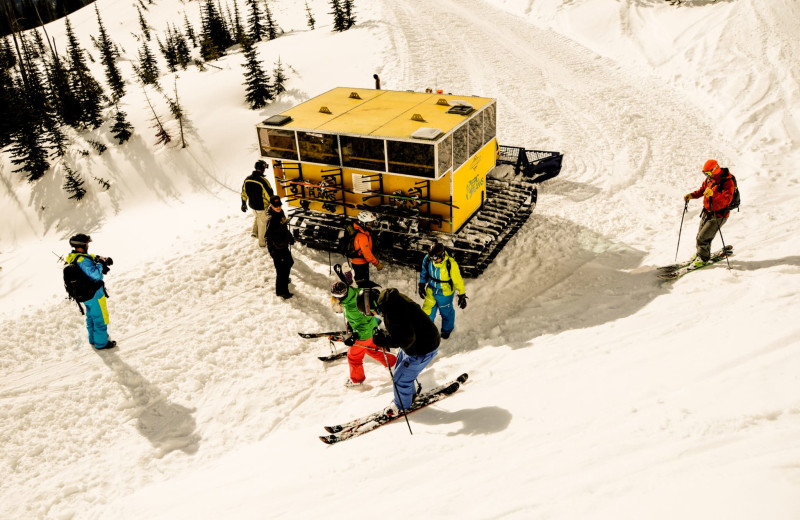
{"x":425,"y":163}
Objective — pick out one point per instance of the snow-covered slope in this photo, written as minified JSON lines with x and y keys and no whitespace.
{"x":594,"y":392}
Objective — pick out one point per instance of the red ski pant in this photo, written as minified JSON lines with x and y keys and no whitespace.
{"x":355,"y":358}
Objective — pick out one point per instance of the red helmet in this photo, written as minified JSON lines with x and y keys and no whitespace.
{"x":711,"y":167}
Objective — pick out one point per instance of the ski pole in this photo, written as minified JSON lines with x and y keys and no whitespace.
{"x":394,"y":384}
{"x":685,"y":206}
{"x":719,"y":230}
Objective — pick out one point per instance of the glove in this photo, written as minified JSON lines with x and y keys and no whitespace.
{"x":105,"y":269}
{"x":462,"y":301}
{"x":350,"y":340}
{"x":379,"y":265}
{"x":109,"y":261}
{"x":687,"y":197}
{"x":244,"y":207}
{"x":381,"y":338}
{"x":708,"y":193}
{"x":422,"y":290}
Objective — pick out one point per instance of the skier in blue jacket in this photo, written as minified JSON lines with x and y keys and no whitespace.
{"x":439,"y":279}
{"x":96,"y":309}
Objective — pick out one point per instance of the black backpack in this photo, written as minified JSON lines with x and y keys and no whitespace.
{"x":80,"y":287}
{"x":736,"y":200}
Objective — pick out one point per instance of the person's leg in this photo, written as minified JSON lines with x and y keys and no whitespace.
{"x":705,"y":235}
{"x":406,"y":371}
{"x":97,"y":320}
{"x":260,"y":226}
{"x":429,"y":306}
{"x":361,"y":274}
{"x":446,"y":307}
{"x":355,"y":358}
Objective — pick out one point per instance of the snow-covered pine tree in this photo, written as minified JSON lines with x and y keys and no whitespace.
{"x":122,"y":129}
{"x":349,"y":14}
{"x":238,"y":28}
{"x":177,"y":110}
{"x":147,"y":69}
{"x":256,"y":81}
{"x":278,"y":79}
{"x":182,"y":52}
{"x":168,"y":50}
{"x":215,"y":38}
{"x":108,"y":56}
{"x":73,"y":184}
{"x":270,"y":27}
{"x":143,"y":24}
{"x":88,"y":91}
{"x":189,"y":30}
{"x":255,"y":27}
{"x":162,"y":136}
{"x":338,"y":16}
{"x":9,"y":95}
{"x":310,"y":20}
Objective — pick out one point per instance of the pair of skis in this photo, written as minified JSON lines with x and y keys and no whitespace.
{"x":336,"y":335}
{"x":370,"y":422}
{"x":675,"y":271}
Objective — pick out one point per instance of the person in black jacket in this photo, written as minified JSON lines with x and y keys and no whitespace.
{"x":408,"y":328}
{"x":257,"y":192}
{"x":279,"y":238}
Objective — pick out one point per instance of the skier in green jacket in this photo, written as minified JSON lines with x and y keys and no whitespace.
{"x":359,"y":342}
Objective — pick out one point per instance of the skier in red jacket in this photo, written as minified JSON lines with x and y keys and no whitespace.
{"x":717,"y":192}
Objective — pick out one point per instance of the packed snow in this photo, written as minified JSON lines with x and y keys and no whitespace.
{"x":595,"y":390}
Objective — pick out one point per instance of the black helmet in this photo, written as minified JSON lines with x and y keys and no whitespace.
{"x":339,"y":289}
{"x":436,"y":251}
{"x":80,"y":240}
{"x":367,"y":301}
{"x":260,"y":166}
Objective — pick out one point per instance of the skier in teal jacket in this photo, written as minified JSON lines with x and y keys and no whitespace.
{"x":96,"y":309}
{"x":439,"y":280}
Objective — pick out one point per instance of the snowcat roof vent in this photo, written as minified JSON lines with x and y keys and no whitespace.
{"x":461,"y":107}
{"x":354,"y":95}
{"x":325,"y":110}
{"x":277,"y":120}
{"x":427,"y":132}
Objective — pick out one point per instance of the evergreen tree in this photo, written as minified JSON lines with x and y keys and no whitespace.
{"x":162,"y":136}
{"x":215,"y":38}
{"x":310,"y":17}
{"x":339,"y":24}
{"x":270,"y":27}
{"x":28,"y":140}
{"x":65,"y":102}
{"x":9,"y":95}
{"x":87,"y":89}
{"x":254,"y":20}
{"x":169,"y":51}
{"x":256,"y":81}
{"x":109,"y":55}
{"x":147,"y":69}
{"x":122,"y":129}
{"x":143,"y":24}
{"x":177,"y":111}
{"x":349,"y":14}
{"x":278,"y":79}
{"x":189,"y":30}
{"x":73,"y":184}
{"x":238,"y":29}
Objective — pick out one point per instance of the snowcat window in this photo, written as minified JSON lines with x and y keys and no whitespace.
{"x":411,"y":159}
{"x":460,"y":154}
{"x":445,"y":154}
{"x":318,"y":148}
{"x":364,"y":154}
{"x":475,"y":134}
{"x":489,"y":123}
{"x":279,"y":144}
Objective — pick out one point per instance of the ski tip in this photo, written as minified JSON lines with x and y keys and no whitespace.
{"x":328,"y":439}
{"x":333,"y":429}
{"x":462,"y":378}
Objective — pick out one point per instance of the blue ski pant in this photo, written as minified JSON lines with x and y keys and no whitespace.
{"x":97,"y":319}
{"x":406,"y":371}
{"x":444,"y":304}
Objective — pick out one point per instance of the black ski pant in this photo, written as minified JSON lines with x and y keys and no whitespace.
{"x":709,"y":225}
{"x":282,"y":258}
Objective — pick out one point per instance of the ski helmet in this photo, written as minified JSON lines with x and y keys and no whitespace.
{"x":711,"y":167}
{"x":366,"y":217}
{"x":339,"y":289}
{"x":80,"y":240}
{"x":367,"y":301}
{"x":260,"y":166}
{"x":436,"y":251}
